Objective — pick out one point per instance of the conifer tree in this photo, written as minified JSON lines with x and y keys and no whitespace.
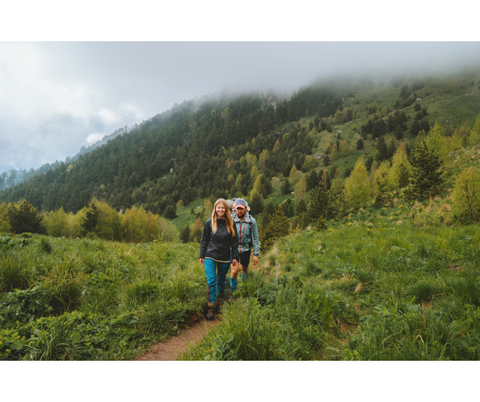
{"x":276,"y":228}
{"x":256,"y":202}
{"x":403,"y":176}
{"x":301,"y":207}
{"x":184,"y":234}
{"x":25,"y":218}
{"x":427,"y":173}
{"x":286,"y":186}
{"x":91,"y":218}
{"x":312,"y":180}
{"x":318,"y":205}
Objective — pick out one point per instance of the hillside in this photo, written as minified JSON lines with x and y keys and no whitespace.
{"x":220,"y":147}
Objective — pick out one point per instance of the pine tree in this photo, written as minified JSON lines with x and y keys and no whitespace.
{"x":169,"y":212}
{"x":276,"y":228}
{"x":286,"y":186}
{"x":184,"y":234}
{"x":381,"y":191}
{"x":427,"y":173}
{"x":402,"y":176}
{"x":312,"y":180}
{"x":318,"y":203}
{"x":256,"y":202}
{"x":25,"y":218}
{"x":301,"y":207}
{"x":91,"y":218}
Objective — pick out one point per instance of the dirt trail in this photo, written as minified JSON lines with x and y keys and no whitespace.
{"x":173,"y":347}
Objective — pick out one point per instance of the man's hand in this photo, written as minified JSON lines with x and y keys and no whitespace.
{"x":235,"y":266}
{"x":255,"y":260}
{"x":202,"y":260}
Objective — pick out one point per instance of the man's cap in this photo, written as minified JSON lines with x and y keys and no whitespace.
{"x":240,"y":202}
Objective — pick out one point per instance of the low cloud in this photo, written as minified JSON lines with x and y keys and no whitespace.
{"x":56,"y":97}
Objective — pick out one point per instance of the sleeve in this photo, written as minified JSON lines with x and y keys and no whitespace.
{"x":205,"y":239}
{"x":234,"y":243}
{"x":256,"y":242}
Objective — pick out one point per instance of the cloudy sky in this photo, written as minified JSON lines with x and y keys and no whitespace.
{"x":59,"y":95}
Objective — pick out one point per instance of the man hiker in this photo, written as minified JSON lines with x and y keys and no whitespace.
{"x":247,"y":238}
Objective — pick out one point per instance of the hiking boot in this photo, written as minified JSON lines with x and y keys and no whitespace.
{"x":211,"y":308}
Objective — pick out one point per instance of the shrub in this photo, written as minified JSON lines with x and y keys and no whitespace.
{"x":13,"y":274}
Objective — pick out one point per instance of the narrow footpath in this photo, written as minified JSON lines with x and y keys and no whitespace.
{"x":173,"y":347}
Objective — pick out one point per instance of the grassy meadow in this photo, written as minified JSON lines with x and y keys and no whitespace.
{"x":388,"y":284}
{"x":374,"y":288}
{"x":93,"y":299}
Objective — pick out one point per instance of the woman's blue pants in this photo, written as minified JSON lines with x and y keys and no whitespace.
{"x":216,"y":273}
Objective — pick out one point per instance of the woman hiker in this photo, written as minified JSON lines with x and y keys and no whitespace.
{"x":219,"y":238}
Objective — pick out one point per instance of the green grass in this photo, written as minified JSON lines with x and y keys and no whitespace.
{"x":95,"y":300}
{"x":398,"y":292}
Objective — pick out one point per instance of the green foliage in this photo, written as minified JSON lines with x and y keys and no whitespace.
{"x":319,"y":203}
{"x":170,"y":212}
{"x":13,"y":273}
{"x":466,"y":195}
{"x":91,"y":218}
{"x":275,"y":229}
{"x":25,"y":218}
{"x":427,"y":173}
{"x":184,"y":234}
{"x":256,"y":202}
{"x":286,"y":189}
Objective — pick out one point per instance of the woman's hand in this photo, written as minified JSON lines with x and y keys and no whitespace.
{"x":202,"y":260}
{"x":234,"y":269}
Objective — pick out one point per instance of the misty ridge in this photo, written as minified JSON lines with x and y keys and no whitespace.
{"x":340,"y":82}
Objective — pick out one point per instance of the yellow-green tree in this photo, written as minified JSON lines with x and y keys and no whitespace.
{"x":294,"y":175}
{"x":309,"y":164}
{"x":333,"y":154}
{"x":109,"y":225}
{"x":338,"y":117}
{"x":435,"y":141}
{"x":167,"y":232}
{"x":300,"y":190}
{"x":133,"y":221}
{"x":337,"y":182}
{"x":454,"y":142}
{"x":380,"y":176}
{"x":474,"y":137}
{"x":4,"y":224}
{"x":259,"y":187}
{"x":251,"y":158}
{"x":56,"y":222}
{"x":197,"y":230}
{"x":254,"y":173}
{"x":466,"y":193}
{"x":180,"y":207}
{"x":263,"y":158}
{"x":207,"y":209}
{"x":400,"y":157}
{"x":357,"y":186}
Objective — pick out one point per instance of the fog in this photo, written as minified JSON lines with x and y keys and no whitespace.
{"x":56,"y":97}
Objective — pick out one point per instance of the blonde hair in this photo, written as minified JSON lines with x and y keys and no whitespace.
{"x":228,"y":217}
